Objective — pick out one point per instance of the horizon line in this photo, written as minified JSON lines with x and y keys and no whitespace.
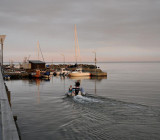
{"x":99,"y":62}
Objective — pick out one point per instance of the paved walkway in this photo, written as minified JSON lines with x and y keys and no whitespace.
{"x":0,"y":124}
{"x":8,"y":130}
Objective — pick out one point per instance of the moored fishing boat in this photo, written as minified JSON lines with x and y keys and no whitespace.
{"x":37,"y":75}
{"x":79,"y":73}
{"x":7,"y":77}
{"x":46,"y":75}
{"x":62,"y":71}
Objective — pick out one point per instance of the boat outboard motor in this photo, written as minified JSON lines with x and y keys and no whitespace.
{"x":82,"y":91}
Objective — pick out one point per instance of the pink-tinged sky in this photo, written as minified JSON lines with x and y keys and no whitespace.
{"x":118,"y":30}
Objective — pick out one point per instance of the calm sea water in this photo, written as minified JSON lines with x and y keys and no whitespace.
{"x":125,"y":105}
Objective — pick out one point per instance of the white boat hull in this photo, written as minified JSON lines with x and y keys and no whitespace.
{"x":77,"y":74}
{"x":71,"y":95}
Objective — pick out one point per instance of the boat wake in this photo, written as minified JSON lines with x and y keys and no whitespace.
{"x":83,"y":99}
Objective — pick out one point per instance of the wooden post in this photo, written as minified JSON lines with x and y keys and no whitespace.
{"x":8,"y":94}
{"x":9,"y":97}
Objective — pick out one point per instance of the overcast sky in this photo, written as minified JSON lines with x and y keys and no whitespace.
{"x":118,"y":30}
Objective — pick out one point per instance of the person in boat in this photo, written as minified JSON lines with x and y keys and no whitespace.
{"x":77,"y":84}
{"x":77,"y":88}
{"x":70,"y":90}
{"x":73,"y":92}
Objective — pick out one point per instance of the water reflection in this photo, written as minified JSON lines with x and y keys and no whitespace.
{"x":37,"y":82}
{"x":130,"y":105}
{"x":98,"y":78}
{"x":63,"y":79}
{"x":95,"y":87}
{"x":80,"y":78}
{"x":95,"y":79}
{"x":65,"y":83}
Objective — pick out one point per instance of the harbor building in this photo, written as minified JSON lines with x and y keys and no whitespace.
{"x":33,"y":64}
{"x":37,"y":64}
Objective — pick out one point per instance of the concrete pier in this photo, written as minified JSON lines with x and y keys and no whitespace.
{"x":8,"y":130}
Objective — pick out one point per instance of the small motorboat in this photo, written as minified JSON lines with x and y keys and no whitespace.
{"x":46,"y":75}
{"x":7,"y":77}
{"x":76,"y":91}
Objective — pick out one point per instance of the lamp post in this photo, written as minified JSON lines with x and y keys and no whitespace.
{"x":2,"y":38}
{"x":95,"y":71}
{"x":63,"y":58}
{"x":95,"y":60}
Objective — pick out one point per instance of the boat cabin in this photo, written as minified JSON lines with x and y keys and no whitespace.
{"x":37,"y":64}
{"x":79,"y":70}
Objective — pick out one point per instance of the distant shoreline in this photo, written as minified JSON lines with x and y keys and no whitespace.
{"x":94,"y":62}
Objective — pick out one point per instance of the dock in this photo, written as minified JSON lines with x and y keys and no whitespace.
{"x":8,"y":129}
{"x":99,"y":74}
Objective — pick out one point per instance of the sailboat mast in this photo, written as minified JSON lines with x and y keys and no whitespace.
{"x":78,"y":50}
{"x":41,"y":52}
{"x":75,"y":42}
{"x":38,"y":48}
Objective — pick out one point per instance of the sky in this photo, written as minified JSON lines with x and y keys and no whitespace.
{"x":117,"y":30}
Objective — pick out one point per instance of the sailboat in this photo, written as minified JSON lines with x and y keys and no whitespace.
{"x":78,"y":72}
{"x":38,"y":72}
